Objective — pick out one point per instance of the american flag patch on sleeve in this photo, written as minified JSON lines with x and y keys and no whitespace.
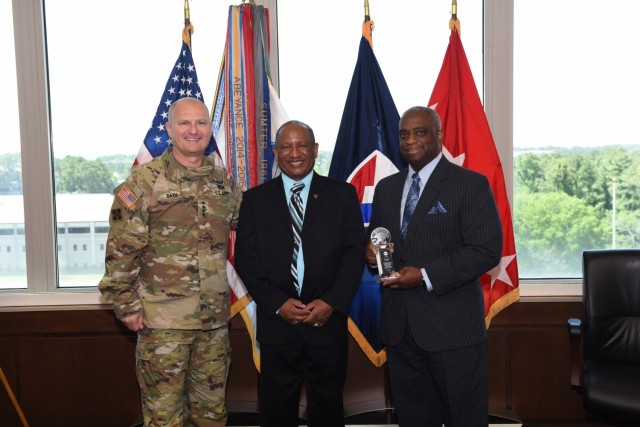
{"x":127,"y":197}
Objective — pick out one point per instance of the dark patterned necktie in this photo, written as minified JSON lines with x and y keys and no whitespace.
{"x":410,"y":204}
{"x":297,"y":216}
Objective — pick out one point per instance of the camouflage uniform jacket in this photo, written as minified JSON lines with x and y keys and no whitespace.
{"x":167,"y":246}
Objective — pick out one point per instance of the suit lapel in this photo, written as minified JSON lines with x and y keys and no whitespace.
{"x":279,"y":202}
{"x":394,"y":203}
{"x":314,"y":199}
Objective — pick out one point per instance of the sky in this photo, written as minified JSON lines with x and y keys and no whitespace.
{"x":105,"y":90}
{"x":11,"y":140}
{"x":575,"y":83}
{"x":576,"y":76}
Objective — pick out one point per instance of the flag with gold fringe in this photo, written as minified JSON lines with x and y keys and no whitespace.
{"x":468,"y":142}
{"x":182,"y":82}
{"x":246,"y":114}
{"x":366,"y":151}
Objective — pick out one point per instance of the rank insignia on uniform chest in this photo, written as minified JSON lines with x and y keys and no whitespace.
{"x":116,"y":214}
{"x":203,"y":208}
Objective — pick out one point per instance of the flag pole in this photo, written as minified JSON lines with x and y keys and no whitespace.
{"x":454,"y":23}
{"x":188,"y":28}
{"x":367,"y":25}
{"x":13,"y":399}
{"x":187,"y":14}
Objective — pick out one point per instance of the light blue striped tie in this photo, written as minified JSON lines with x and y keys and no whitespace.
{"x":297,"y":216}
{"x":410,"y":204}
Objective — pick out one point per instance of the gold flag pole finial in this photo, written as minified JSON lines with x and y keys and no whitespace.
{"x":367,"y":25}
{"x":188,"y":28}
{"x":187,"y":13}
{"x":454,"y":23}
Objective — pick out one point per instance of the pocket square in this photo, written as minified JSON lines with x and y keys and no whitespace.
{"x":436,"y":209}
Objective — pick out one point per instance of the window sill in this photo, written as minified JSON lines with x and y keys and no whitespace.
{"x":566,"y":290}
{"x":52,"y":301}
{"x":530,"y":291}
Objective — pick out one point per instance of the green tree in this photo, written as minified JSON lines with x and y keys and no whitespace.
{"x":529,"y":175}
{"x":628,"y":186}
{"x":77,"y":175}
{"x":323,"y":162}
{"x":557,"y":173}
{"x":10,"y":174}
{"x":119,"y":164}
{"x":628,"y":229}
{"x":611,"y":161}
{"x":551,"y":231}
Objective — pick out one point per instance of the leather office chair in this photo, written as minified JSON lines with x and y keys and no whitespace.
{"x":610,"y":383}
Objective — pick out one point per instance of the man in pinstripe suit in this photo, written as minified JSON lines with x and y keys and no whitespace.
{"x":433,"y":312}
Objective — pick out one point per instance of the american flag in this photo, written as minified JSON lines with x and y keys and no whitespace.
{"x":127,"y":197}
{"x":183,"y":82}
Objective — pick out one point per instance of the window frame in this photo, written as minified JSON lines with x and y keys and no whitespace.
{"x":36,"y":156}
{"x":37,"y":163}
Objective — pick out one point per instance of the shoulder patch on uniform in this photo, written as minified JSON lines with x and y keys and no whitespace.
{"x":126,"y":196}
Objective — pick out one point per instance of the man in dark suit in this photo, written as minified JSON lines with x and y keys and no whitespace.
{"x":302,"y":279}
{"x":446,"y":231}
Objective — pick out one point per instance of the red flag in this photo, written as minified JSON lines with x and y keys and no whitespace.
{"x":468,"y":142}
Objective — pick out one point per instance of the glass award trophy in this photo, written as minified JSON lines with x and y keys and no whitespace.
{"x":381,"y":239}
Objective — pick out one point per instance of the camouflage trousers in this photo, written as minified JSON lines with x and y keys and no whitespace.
{"x":182,"y":376}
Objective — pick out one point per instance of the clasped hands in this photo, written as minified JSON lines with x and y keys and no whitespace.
{"x":316,"y":313}
{"x":407,"y":277}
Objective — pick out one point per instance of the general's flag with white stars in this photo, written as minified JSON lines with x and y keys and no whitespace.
{"x":183,"y":82}
{"x":468,"y":142}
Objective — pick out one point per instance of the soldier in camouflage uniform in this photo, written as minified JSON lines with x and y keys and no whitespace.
{"x":166,"y":273}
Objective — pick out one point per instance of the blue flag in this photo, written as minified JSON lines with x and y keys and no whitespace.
{"x":183,"y":82}
{"x":367,"y":150}
{"x":370,"y":119}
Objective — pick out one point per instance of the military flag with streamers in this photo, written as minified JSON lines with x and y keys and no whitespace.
{"x":468,"y":142}
{"x":245,"y":117}
{"x":366,"y":151}
{"x":183,"y":82}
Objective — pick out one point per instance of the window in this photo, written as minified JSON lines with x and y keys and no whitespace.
{"x":576,"y":149}
{"x":410,"y":68}
{"x":13,"y":271}
{"x":108,"y":133}
{"x":95,"y":145}
{"x":79,"y":230}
